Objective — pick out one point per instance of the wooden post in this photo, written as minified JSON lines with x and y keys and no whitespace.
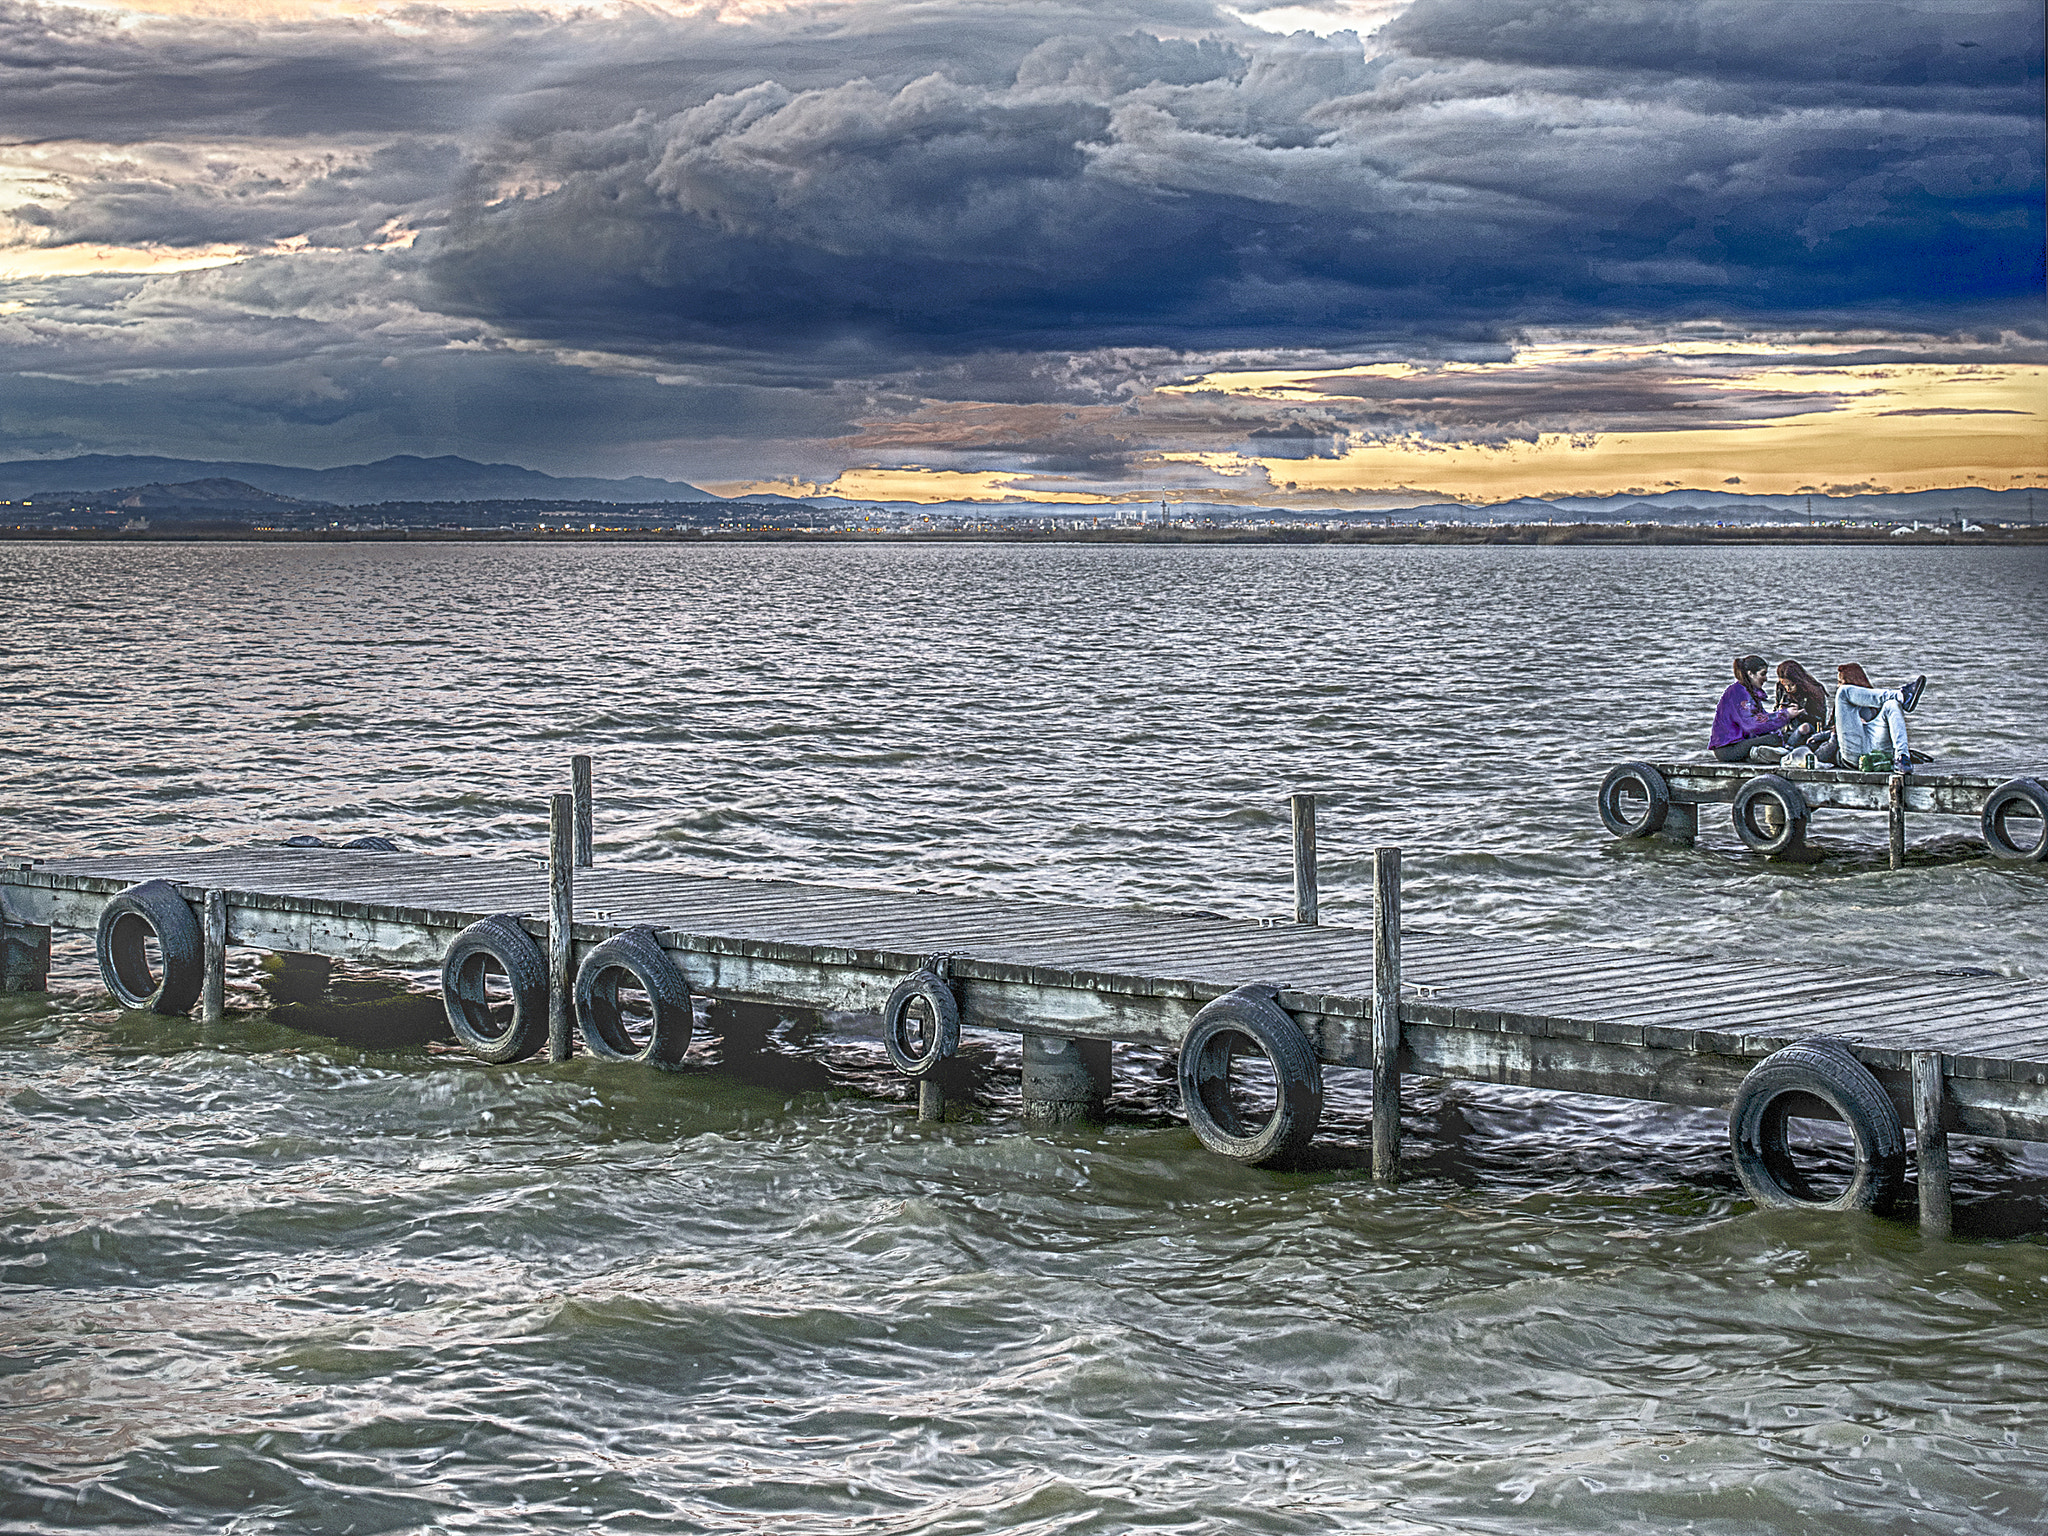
{"x":561,"y":917}
{"x":1064,"y":1081}
{"x":24,"y":954}
{"x":931,"y":1100}
{"x":1929,"y":1131}
{"x":1681,"y":823}
{"x":1304,"y":807}
{"x":1386,"y":1015}
{"x":579,"y":783}
{"x":213,"y":984}
{"x":1895,"y":800}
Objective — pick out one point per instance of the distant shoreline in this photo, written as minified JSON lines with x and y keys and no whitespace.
{"x":1611,"y":534}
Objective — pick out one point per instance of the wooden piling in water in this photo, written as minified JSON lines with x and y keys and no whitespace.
{"x":1930,"y":1132}
{"x":24,"y":953}
{"x":931,"y":1101}
{"x":1064,"y":1081}
{"x":1304,"y":810}
{"x":213,"y":931}
{"x":561,"y":918}
{"x":1895,"y":806}
{"x":579,"y":786}
{"x":1386,"y":1015}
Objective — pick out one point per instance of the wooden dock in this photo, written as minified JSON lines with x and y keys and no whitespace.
{"x":1770,"y":805}
{"x":1953,"y":1050}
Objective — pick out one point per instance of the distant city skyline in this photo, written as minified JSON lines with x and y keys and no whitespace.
{"x":1326,"y":254}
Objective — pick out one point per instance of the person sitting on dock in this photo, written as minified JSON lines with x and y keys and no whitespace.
{"x":1799,"y":688}
{"x":1870,"y":723}
{"x":1741,"y":724}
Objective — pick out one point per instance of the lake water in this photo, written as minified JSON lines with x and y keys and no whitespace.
{"x":253,"y":1279}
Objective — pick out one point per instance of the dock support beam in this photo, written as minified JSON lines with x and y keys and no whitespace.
{"x":1304,"y":808}
{"x":1895,"y":805}
{"x":213,"y":981}
{"x":24,"y":954}
{"x":1931,"y":1135}
{"x":561,"y":918}
{"x":1681,"y":823}
{"x":1386,"y":1015}
{"x":1065,"y":1081}
{"x":579,"y":786}
{"x":931,"y":1101}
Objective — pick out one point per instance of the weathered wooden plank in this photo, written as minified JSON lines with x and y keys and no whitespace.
{"x":1598,"y":994}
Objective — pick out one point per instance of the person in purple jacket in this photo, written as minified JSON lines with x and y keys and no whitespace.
{"x":1741,"y":723}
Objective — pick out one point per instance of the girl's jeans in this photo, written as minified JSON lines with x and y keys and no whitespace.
{"x":1868,"y":720}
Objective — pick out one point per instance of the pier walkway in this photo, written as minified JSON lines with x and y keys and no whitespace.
{"x":1582,"y":1019}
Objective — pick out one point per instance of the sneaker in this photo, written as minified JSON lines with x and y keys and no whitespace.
{"x":1910,"y":694}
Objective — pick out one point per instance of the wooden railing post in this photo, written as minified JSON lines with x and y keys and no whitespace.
{"x":1304,"y":808}
{"x":1386,"y":1015}
{"x":1931,"y":1134}
{"x":213,"y":983}
{"x":1895,"y":802}
{"x":561,"y":920}
{"x":579,"y":786}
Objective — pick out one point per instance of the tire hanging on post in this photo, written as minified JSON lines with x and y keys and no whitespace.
{"x":465,"y":989}
{"x":636,"y":953}
{"x":1649,"y":785}
{"x":151,"y":910}
{"x":1785,"y":1082}
{"x":1770,"y":815}
{"x":939,"y":1041}
{"x":1250,"y":1016}
{"x":2025,"y":795}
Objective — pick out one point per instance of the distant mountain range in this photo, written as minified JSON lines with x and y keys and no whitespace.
{"x":194,"y":496}
{"x":161,"y":483}
{"x":402,"y":478}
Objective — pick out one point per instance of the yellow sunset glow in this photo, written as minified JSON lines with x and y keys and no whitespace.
{"x":21,"y":262}
{"x":871,"y":483}
{"x":1867,"y":442}
{"x":1895,"y":427}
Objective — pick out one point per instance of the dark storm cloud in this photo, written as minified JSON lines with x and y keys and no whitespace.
{"x":792,"y":224}
{"x":1474,"y":175}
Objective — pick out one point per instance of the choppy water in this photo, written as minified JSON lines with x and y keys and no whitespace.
{"x":253,"y":1279}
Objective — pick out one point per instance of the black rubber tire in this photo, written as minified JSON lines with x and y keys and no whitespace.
{"x":942,"y":1043}
{"x":1250,"y":1016}
{"x":1759,"y":796}
{"x":2003,"y":801}
{"x":636,"y":953}
{"x":1656,"y":800}
{"x":1774,"y":1090}
{"x":502,"y":941}
{"x":305,"y":840}
{"x":371,"y":845}
{"x":151,"y":909}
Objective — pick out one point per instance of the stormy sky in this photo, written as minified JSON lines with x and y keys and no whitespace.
{"x":1028,"y":246}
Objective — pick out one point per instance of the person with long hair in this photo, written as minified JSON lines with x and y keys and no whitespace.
{"x":1799,"y":689}
{"x":1741,"y":723}
{"x":1873,"y":720}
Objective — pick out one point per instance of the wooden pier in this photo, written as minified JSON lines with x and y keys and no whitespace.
{"x":1952,"y":1051}
{"x":1770,"y":805}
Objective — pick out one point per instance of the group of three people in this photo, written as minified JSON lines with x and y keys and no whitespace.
{"x":1865,"y":723}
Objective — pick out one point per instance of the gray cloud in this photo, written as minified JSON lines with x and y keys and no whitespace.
{"x":705,"y":232}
